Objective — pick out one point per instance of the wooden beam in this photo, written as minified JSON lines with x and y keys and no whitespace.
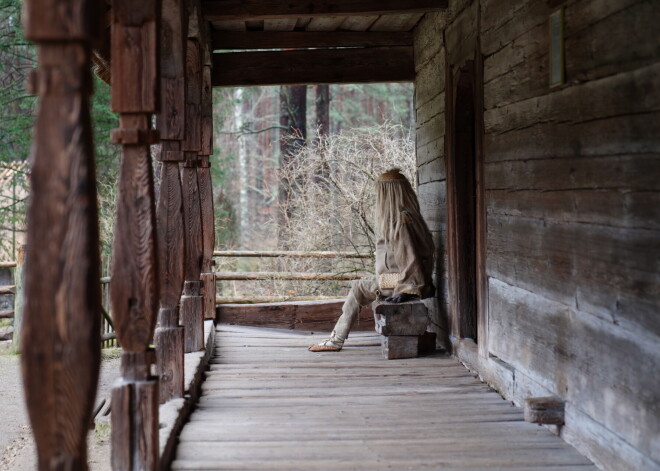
{"x":300,"y":315}
{"x":365,"y":65}
{"x":307,"y":39}
{"x":243,"y":10}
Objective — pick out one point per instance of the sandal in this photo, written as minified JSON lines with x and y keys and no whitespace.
{"x":333,"y":344}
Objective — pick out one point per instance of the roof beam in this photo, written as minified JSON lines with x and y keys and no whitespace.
{"x":363,"y":65}
{"x":307,"y":39}
{"x":243,"y":10}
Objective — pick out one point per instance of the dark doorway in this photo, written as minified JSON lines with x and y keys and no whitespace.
{"x":463,"y":205}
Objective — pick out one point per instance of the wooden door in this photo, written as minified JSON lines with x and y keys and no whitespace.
{"x":465,"y":206}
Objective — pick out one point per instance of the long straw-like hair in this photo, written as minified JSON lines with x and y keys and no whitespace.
{"x":393,"y":195}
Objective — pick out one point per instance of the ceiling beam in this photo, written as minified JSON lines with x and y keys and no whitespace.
{"x":307,"y":39}
{"x":364,"y":65}
{"x":244,"y":10}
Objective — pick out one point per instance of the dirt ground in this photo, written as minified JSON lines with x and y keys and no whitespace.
{"x":17,"y":450}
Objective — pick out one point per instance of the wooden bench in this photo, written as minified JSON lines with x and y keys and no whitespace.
{"x":402,"y":327}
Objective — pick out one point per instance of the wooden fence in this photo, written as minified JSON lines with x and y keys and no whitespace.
{"x":108,"y":335}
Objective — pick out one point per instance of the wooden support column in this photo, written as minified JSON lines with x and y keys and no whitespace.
{"x":169,"y":338}
{"x":206,"y":189}
{"x":134,"y":289}
{"x":61,"y":323}
{"x":192,"y":311}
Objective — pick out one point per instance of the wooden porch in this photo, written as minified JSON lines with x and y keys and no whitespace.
{"x":269,"y":404}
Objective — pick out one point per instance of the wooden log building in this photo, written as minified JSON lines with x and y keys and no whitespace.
{"x":537,"y":126}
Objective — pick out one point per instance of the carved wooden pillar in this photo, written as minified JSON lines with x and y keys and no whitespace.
{"x":169,"y":339}
{"x":134,"y":290}
{"x":206,"y":189}
{"x":191,"y":302}
{"x":61,"y":324}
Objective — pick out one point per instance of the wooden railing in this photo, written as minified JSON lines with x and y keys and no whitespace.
{"x":108,"y":335}
{"x":275,"y":275}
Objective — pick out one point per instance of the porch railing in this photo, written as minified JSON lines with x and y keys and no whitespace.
{"x":279,"y":275}
{"x":108,"y":335}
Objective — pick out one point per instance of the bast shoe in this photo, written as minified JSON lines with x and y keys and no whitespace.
{"x":332,"y":344}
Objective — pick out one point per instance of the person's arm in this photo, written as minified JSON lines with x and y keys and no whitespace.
{"x":406,"y":254}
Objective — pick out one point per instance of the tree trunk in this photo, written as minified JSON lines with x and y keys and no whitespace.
{"x":323,"y":109}
{"x":293,"y":118}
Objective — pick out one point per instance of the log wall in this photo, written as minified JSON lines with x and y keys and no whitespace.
{"x":572,"y":205}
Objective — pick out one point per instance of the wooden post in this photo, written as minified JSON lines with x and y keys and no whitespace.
{"x":134,"y":287}
{"x":169,"y":336}
{"x":19,"y":300}
{"x":192,"y":312}
{"x":61,"y":317}
{"x":206,"y":188}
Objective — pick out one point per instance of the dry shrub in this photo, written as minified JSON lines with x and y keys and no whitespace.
{"x":331,"y":204}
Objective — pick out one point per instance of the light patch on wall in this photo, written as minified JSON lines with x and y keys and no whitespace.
{"x":556,"y":29}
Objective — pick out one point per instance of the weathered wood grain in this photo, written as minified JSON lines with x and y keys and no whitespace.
{"x":134,"y":53}
{"x":328,"y":23}
{"x":81,"y":21}
{"x":588,"y":102}
{"x":303,"y":410}
{"x":260,"y":9}
{"x":305,"y":39}
{"x":170,"y":121}
{"x":544,"y":410}
{"x":357,"y":65}
{"x":171,"y":241}
{"x":575,"y":356}
{"x":206,"y":112}
{"x":607,"y":272}
{"x":409,"y":318}
{"x":134,"y":286}
{"x":193,"y":139}
{"x":192,"y":219}
{"x":209,"y":294}
{"x":396,"y":347}
{"x":192,"y":316}
{"x":169,"y":343}
{"x":309,"y":315}
{"x":61,"y":320}
{"x":404,"y":22}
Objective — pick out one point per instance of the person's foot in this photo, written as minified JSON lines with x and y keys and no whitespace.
{"x":333,"y":344}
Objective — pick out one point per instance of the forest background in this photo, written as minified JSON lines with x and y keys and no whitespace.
{"x":278,"y":151}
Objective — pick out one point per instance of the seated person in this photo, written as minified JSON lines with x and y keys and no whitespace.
{"x":404,"y":251}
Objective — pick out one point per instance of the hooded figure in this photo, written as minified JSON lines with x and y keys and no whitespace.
{"x":404,"y":250}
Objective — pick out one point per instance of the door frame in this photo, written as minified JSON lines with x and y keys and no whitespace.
{"x":460,"y":326}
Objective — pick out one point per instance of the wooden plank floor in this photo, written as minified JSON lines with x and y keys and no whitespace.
{"x":269,"y":404}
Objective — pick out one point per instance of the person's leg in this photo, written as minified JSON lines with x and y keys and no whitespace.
{"x":362,"y":293}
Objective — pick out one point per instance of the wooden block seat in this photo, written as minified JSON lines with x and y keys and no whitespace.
{"x":402,"y":327}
